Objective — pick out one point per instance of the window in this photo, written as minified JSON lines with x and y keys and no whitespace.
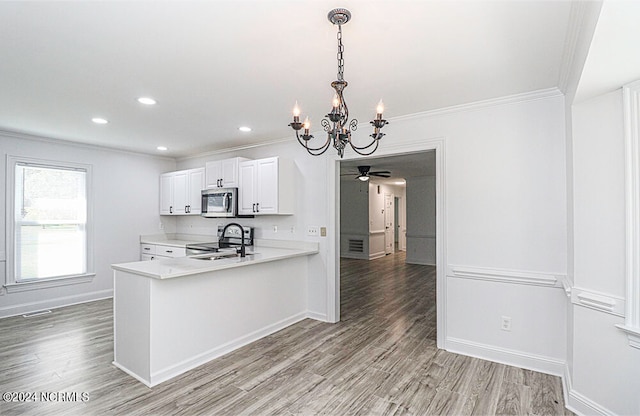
{"x":49,"y":223}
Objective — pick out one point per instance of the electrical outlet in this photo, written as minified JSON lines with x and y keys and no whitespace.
{"x":506,"y":323}
{"x":313,"y":230}
{"x":161,"y":226}
{"x":323,"y":231}
{"x":275,"y":228}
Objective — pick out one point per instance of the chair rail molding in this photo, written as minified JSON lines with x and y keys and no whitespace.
{"x":603,"y":302}
{"x":506,"y":276}
{"x":631,"y":110}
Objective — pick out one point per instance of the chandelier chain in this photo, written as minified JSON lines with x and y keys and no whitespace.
{"x":339,"y":55}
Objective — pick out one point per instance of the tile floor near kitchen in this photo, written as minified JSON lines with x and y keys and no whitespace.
{"x":380,"y":359}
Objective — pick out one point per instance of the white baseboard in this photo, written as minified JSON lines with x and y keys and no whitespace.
{"x":419,"y":261}
{"x":581,"y":405}
{"x":167,"y":373}
{"x":317,"y":316}
{"x":378,"y":255}
{"x":573,"y":400}
{"x":361,"y":256}
{"x":542,"y":364}
{"x":131,"y":373}
{"x":422,"y":263}
{"x":20,"y":309}
{"x":578,"y":403}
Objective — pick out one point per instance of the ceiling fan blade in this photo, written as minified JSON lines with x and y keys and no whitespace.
{"x":380,"y":171}
{"x":381,"y":175}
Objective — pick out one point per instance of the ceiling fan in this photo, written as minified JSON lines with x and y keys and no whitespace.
{"x":365,"y":173}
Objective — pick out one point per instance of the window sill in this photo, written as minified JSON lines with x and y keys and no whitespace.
{"x":633,"y":334}
{"x":48,"y":283}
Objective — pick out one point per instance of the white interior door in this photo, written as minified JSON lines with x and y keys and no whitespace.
{"x":388,"y":224}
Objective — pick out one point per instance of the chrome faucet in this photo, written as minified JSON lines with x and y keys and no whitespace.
{"x":242,"y":251}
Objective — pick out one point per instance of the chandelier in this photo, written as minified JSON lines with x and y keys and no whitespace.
{"x":336,"y":123}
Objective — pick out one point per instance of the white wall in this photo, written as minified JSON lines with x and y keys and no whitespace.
{"x":605,"y":375}
{"x":362,"y":216}
{"x":421,"y":220}
{"x":376,"y":219}
{"x":505,"y":224}
{"x":125,"y":203}
{"x":354,"y":217}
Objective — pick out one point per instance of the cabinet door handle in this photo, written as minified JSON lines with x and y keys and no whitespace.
{"x":147,"y":248}
{"x":169,"y":251}
{"x":171,"y":210}
{"x":187,"y":208}
{"x":257,"y":206}
{"x":254,"y":208}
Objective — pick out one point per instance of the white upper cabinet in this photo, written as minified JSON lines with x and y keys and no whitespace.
{"x":223,"y":173}
{"x":180,"y":192}
{"x":266,"y":187}
{"x":247,"y":188}
{"x":166,"y":193}
{"x":194,"y":193}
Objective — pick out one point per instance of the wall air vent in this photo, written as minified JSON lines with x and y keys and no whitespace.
{"x":356,"y":246}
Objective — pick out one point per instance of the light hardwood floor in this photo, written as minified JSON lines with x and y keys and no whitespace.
{"x":380,"y":359}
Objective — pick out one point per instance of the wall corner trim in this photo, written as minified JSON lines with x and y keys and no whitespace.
{"x":631,"y":113}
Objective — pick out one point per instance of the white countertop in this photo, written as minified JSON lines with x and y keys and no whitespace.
{"x":268,"y":250}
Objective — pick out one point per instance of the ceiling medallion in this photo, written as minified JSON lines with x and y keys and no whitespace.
{"x":336,"y":123}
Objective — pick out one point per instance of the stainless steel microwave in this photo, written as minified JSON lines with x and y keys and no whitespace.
{"x":220,"y":202}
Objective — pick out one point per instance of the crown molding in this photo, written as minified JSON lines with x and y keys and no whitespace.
{"x":583,"y":19}
{"x":14,"y":134}
{"x":234,"y":149}
{"x":478,"y":105}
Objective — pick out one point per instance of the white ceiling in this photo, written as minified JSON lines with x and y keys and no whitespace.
{"x":613,"y":58}
{"x":403,"y":166}
{"x":214,"y":66}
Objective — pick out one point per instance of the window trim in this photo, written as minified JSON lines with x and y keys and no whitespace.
{"x":10,"y":284}
{"x":631,"y":112}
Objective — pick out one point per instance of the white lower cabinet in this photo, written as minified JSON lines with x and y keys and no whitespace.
{"x":159,"y":251}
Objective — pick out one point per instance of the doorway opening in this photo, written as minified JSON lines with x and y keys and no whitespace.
{"x":392,"y":216}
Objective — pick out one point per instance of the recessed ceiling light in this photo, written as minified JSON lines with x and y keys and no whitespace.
{"x":147,"y":101}
{"x":245,"y":129}
{"x":161,"y":148}
{"x":99,"y":120}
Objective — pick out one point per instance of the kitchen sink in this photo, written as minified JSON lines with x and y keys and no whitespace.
{"x":219,"y":255}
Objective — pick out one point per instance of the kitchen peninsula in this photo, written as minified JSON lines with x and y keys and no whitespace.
{"x":173,"y":314}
